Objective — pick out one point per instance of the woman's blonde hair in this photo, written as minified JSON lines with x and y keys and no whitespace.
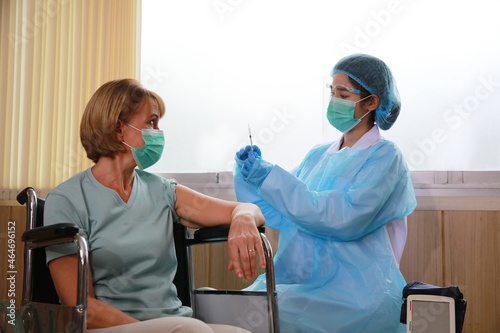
{"x":113,"y":101}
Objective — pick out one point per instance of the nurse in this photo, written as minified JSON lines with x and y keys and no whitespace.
{"x":341,"y":213}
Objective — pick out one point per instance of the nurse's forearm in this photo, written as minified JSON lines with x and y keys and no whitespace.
{"x":328,"y":213}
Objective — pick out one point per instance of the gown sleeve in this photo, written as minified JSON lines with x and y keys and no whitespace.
{"x":246,"y":192}
{"x":379,"y":193}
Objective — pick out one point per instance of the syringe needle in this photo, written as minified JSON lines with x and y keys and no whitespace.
{"x":250,"y":136}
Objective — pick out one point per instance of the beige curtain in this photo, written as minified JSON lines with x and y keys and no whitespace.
{"x":53,"y":55}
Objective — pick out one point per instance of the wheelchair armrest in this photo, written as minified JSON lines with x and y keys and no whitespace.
{"x":213,"y":234}
{"x":50,"y":233}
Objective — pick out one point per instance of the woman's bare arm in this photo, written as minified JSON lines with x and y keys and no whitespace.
{"x":64,"y":272}
{"x":198,"y":210}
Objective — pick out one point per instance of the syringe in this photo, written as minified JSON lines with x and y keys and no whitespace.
{"x":250,"y":136}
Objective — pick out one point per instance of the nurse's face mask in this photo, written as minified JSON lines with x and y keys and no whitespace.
{"x":341,"y":112}
{"x":153,"y":148}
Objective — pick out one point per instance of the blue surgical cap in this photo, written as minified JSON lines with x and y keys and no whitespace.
{"x":374,"y":75}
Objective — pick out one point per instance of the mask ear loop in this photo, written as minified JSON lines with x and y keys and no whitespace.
{"x":368,"y":110}
{"x":365,"y":115}
{"x":139,"y":129}
{"x":126,"y":144}
{"x":364,"y":98}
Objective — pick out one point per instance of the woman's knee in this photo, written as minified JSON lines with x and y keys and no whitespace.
{"x":184,"y":325}
{"x":190,"y":325}
{"x":160,"y":325}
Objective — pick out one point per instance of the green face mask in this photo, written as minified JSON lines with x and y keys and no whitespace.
{"x":151,"y":152}
{"x":341,"y":114}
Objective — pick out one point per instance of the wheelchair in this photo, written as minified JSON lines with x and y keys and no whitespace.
{"x":41,"y":310}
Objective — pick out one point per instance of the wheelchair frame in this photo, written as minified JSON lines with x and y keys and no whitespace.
{"x":39,"y":237}
{"x":219,"y":234}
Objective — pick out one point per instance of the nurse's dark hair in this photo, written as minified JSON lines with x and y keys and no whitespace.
{"x":113,"y":102}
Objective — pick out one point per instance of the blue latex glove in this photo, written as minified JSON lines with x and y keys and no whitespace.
{"x":248,"y":164}
{"x":242,"y":154}
{"x":255,"y":169}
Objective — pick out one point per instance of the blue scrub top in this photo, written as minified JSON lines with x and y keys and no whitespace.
{"x":132,"y":254}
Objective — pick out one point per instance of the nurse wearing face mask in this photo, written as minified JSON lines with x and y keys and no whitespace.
{"x":126,"y":215}
{"x":341,"y":213}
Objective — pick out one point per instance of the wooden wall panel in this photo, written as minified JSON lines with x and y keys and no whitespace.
{"x":201,"y":263}
{"x":443,"y":248}
{"x":273,"y":237}
{"x":472,"y":252}
{"x":423,"y":255}
{"x":211,"y":262}
{"x":18,"y":214}
{"x":4,"y":219}
{"x":15,"y":214}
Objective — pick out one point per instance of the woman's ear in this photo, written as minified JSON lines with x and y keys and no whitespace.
{"x":119,"y":130}
{"x":373,"y":103}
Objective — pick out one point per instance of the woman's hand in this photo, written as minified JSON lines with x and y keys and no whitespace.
{"x":244,"y":242}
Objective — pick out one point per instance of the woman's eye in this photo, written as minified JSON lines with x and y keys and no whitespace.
{"x":343,"y":96}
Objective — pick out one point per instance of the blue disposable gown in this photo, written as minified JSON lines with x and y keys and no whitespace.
{"x":334,"y":268}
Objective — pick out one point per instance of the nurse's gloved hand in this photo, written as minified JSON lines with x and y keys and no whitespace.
{"x":255,"y":169}
{"x":242,"y":154}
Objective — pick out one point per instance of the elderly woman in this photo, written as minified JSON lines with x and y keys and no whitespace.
{"x":341,"y":213}
{"x":126,"y":215}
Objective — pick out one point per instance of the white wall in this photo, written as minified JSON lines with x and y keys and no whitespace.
{"x":221,"y":64}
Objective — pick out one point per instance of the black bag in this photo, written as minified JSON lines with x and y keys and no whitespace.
{"x":420,"y":288}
